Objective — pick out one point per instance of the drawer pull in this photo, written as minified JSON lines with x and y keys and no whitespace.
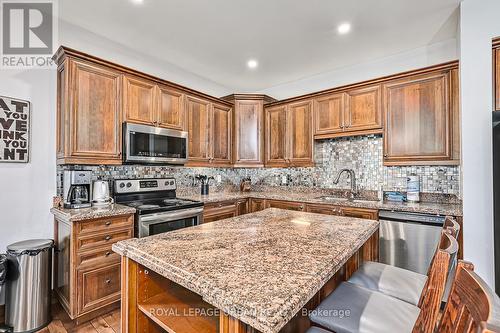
{"x":108,"y":281}
{"x":108,"y":253}
{"x":108,"y":223}
{"x":107,"y":238}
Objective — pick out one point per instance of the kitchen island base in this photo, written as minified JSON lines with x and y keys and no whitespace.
{"x":153,"y":303}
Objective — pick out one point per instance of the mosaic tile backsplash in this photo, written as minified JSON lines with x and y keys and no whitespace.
{"x":363,"y":154}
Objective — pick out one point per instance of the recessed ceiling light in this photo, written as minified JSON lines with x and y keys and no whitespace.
{"x":344,"y":28}
{"x":137,"y":2}
{"x":252,"y":63}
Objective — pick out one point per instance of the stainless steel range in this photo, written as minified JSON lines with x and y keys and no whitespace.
{"x":158,"y":208}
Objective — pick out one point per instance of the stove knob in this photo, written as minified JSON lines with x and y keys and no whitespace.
{"x":122,"y":185}
{"x":171,"y":182}
{"x":129,"y":184}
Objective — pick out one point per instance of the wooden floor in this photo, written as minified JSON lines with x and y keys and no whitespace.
{"x":61,"y":323}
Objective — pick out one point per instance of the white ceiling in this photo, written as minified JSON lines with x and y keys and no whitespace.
{"x":291,"y":39}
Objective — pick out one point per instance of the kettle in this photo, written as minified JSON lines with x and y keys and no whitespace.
{"x":100,"y":193}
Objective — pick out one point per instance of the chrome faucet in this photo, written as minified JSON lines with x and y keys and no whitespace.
{"x":352,"y":177}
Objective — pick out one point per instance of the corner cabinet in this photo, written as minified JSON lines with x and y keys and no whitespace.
{"x":421,"y":120}
{"x":209,"y":128}
{"x":289,"y":135}
{"x":89,"y":113}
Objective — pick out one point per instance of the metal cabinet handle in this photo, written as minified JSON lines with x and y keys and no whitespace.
{"x":108,"y":281}
{"x":107,"y":238}
{"x":385,"y":156}
{"x":108,"y":254}
{"x":108,"y":223}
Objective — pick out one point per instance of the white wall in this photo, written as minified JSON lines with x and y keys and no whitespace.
{"x":414,"y":59}
{"x":478,"y":25}
{"x":26,"y":190}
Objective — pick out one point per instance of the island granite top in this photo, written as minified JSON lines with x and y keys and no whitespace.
{"x":261,"y":268}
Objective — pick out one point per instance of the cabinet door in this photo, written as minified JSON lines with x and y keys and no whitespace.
{"x":257,"y":205}
{"x":242,"y":206}
{"x":219,"y":211}
{"x":363,"y":109}
{"x":139,"y":100}
{"x":417,"y":120}
{"x":248,"y":133}
{"x":289,"y":205}
{"x":170,"y":108}
{"x":221,"y":135}
{"x":95,"y":115}
{"x":361,"y":213}
{"x":324,"y":209}
{"x":329,"y":115}
{"x":198,"y":126}
{"x":276,"y":137}
{"x":497,"y":79}
{"x":300,"y":151}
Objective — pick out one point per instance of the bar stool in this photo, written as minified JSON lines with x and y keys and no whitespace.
{"x":373,"y":312}
{"x":398,"y":282}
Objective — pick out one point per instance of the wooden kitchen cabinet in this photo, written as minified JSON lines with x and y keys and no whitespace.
{"x":139,"y":100}
{"x":324,"y":209}
{"x":88,"y":113}
{"x":329,"y":114}
{"x":256,"y":205}
{"x":170,"y":108}
{"x":362,"y":213}
{"x":198,"y":126}
{"x":276,"y":136}
{"x":221,"y":135}
{"x":300,"y":134}
{"x":86,"y":270}
{"x":219,"y":211}
{"x":290,"y":205}
{"x":248,"y":142}
{"x":363,"y":109}
{"x":421,"y":113}
{"x":289,"y":139}
{"x":242,"y":206}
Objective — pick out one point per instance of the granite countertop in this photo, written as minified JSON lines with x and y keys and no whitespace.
{"x":74,"y":215}
{"x":261,"y":268}
{"x":312,"y":197}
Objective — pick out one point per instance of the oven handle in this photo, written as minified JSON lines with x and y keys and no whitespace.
{"x":170,"y":216}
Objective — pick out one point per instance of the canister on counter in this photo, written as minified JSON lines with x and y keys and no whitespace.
{"x":413,"y":188}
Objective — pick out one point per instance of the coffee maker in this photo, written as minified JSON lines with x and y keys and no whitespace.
{"x":76,"y":189}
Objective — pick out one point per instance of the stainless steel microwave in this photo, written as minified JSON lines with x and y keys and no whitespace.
{"x":153,"y":145}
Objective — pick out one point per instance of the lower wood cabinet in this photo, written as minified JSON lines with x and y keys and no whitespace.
{"x":87,"y":271}
{"x":362,"y":213}
{"x":220,"y":210}
{"x":257,"y":205}
{"x":299,"y":206}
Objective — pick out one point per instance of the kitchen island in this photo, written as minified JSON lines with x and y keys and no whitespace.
{"x":255,"y":272}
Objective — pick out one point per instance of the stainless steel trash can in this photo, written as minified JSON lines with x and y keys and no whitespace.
{"x":29,"y":280}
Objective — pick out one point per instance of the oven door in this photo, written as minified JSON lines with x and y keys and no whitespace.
{"x":153,"y":224}
{"x":148,"y":144}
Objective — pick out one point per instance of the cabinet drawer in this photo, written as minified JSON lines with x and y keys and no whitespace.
{"x":98,"y":287}
{"x":324,"y":209}
{"x":220,"y":213}
{"x":106,"y":238}
{"x":97,"y":258}
{"x":362,"y":213}
{"x":285,"y":205}
{"x":98,"y":225}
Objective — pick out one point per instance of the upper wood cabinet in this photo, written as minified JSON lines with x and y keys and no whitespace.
{"x":89,"y":113}
{"x":145,"y":102}
{"x":248,"y":133}
{"x":139,"y":100}
{"x":300,"y":135}
{"x":170,"y":112}
{"x":221,"y":135}
{"x":363,"y":109}
{"x":198,"y":127}
{"x":289,"y":139}
{"x":329,"y":114}
{"x":352,"y":112}
{"x":420,"y":113}
{"x":209,"y":132}
{"x":276,"y":136}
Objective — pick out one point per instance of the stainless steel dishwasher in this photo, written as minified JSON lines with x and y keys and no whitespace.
{"x":409,"y":240}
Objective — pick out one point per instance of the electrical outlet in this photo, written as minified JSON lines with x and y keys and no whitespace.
{"x":219,"y":179}
{"x":284,"y":180}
